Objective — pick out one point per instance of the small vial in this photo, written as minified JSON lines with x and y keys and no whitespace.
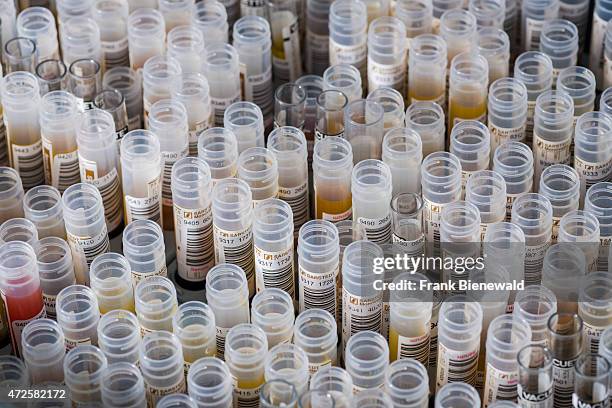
{"x":112,"y":101}
{"x":470,"y":142}
{"x":393,"y":105}
{"x":315,"y":331}
{"x":11,"y":195}
{"x":427,"y":119}
{"x":156,"y":304}
{"x":494,"y":45}
{"x":602,"y":12}
{"x":364,"y":129}
{"x":332,"y":174}
{"x":119,"y":337}
{"x":598,"y":202}
{"x":80,"y":39}
{"x":565,"y":342}
{"x":606,"y":76}
{"x":406,"y":384}
{"x":560,"y":184}
{"x":459,"y":330}
{"x":194,"y":325}
{"x":373,"y":398}
{"x":210,"y":17}
{"x":146,"y":33}
{"x":366,"y":359}
{"x":20,"y":102}
{"x":141,"y":173}
{"x":582,"y":228}
{"x":535,"y":70}
{"x":252,"y":40}
{"x":605,"y":101}
{"x":458,"y":28}
{"x":559,"y":40}
{"x":13,"y":372}
{"x":78,"y":315}
{"x":313,"y":84}
{"x":427,"y":73}
{"x":99,"y":161}
{"x":488,"y":13}
{"x":417,"y":16}
{"x":286,"y":59}
{"x":407,"y":223}
{"x":83,"y":369}
{"x":273,"y":246}
{"x":275,"y":393}
{"x":591,"y":380}
{"x":514,"y":162}
{"x":218,"y":147}
{"x":457,"y":395}
{"x":111,"y":281}
{"x":535,"y":380}
{"x":43,"y":206}
{"x":19,"y":229}
{"x":112,"y":19}
{"x":317,"y":36}
{"x":176,"y":12}
{"x":55,"y":270}
{"x":535,"y":305}
{"x":348,"y":25}
{"x":344,"y":78}
{"x":127,"y":81}
{"x":272,"y":311}
{"x":330,"y":107}
{"x":43,"y":351}
{"x":51,"y":75}
{"x":487,"y":191}
{"x":289,"y":105}
{"x":579,"y":83}
{"x":222,"y":69}
{"x":192,"y":90}
{"x":336,"y":382}
{"x":594,"y":307}
{"x":122,"y":385}
{"x":186,"y":45}
{"x":19,"y":54}
{"x":161,"y":364}
{"x":227,"y":294}
{"x":209,"y":383}
{"x":387,"y":54}
{"x":232,"y":210}
{"x":290,"y":363}
{"x":467,"y":89}
{"x":246,"y":121}
{"x":605,"y":344}
{"x":534,"y":14}
{"x":507,"y":112}
{"x":402,"y":152}
{"x":67,"y":9}
{"x":159,"y":77}
{"x":38,"y":24}
{"x":85,"y":81}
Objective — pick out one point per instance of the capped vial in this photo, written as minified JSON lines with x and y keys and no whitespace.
{"x":80,"y":39}
{"x":43,"y":206}
{"x":470,"y":142}
{"x":192,"y":90}
{"x":487,"y":191}
{"x":218,"y":147}
{"x":366,"y":359}
{"x":52,"y":75}
{"x":146,"y":32}
{"x":19,"y":54}
{"x":85,"y":227}
{"x":78,"y":315}
{"x":160,"y":74}
{"x":55,"y":270}
{"x":565,"y":341}
{"x":273,"y":246}
{"x":598,"y":202}
{"x":211,"y":18}
{"x":156,"y":304}
{"x":594,"y":307}
{"x":387,"y":54}
{"x":315,"y":331}
{"x":336,"y":382}
{"x":579,"y":83}
{"x":535,"y":380}
{"x":494,"y":45}
{"x":99,"y":161}
{"x":119,"y":336}
{"x":272,"y":311}
{"x":84,"y":366}
{"x":141,"y":173}
{"x":507,"y":111}
{"x":427,"y":119}
{"x":344,"y":78}
{"x":227,"y":294}
{"x":128,"y":82}
{"x":232,"y":210}
{"x":123,"y":385}
{"x":210,"y":384}
{"x":186,"y":44}
{"x":38,"y":24}
{"x":257,"y":166}
{"x":534,"y":14}
{"x":514,"y":162}
{"x":43,"y":351}
{"x":559,"y":183}
{"x":112,"y":19}
{"x":468,"y":86}
{"x":111,"y":280}
{"x":582,"y":228}
{"x":393,"y":106}
{"x":222,"y":69}
{"x":559,"y":40}
{"x":427,"y":74}
{"x":290,"y":363}
{"x":11,"y":195}
{"x":19,"y":229}
{"x":194,"y":325}
{"x":364,"y":129}
{"x":535,"y":305}
{"x":245,"y":120}
{"x":112,"y":101}
{"x":402,"y":151}
{"x":289,"y":105}
{"x":85,"y":81}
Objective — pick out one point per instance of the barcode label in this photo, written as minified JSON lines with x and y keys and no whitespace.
{"x":314,"y":367}
{"x":145,"y":208}
{"x":220,"y":104}
{"x":355,"y":55}
{"x":154,"y":394}
{"x":317,"y":52}
{"x":318,"y":290}
{"x":592,"y":334}
{"x":109,"y":188}
{"x":236,"y":247}
{"x":533,"y":28}
{"x":297,"y":198}
{"x":431,"y":219}
{"x":245,"y":397}
{"x":554,"y":229}
{"x":116,"y":53}
{"x":360,"y":314}
{"x":220,"y":335}
{"x":288,"y":68}
{"x":195,"y":131}
{"x":49,"y":302}
{"x":591,"y":173}
{"x":160,"y":270}
{"x":72,"y":343}
{"x":4,"y":157}
{"x":85,"y":249}
{"x":387,"y":75}
{"x":415,"y":247}
{"x":337,"y":217}
{"x":61,"y":169}
{"x":27,"y":160}
{"x":416,"y":348}
{"x":378,"y":230}
{"x":547,"y":153}
{"x":501,"y":135}
{"x":563,"y":382}
{"x":499,"y":385}
{"x":604,"y":250}
{"x":194,"y":242}
{"x":529,"y":123}
{"x":274,"y":270}
{"x":456,"y":366}
{"x":259,"y":90}
{"x":538,"y":400}
{"x":433,"y":342}
{"x":168,"y":160}
{"x":509,"y":202}
{"x":534,"y":260}
{"x":253,"y":8}
{"x":577,"y":402}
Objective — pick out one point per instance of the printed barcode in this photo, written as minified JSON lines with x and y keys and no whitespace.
{"x":136,"y":211}
{"x":199,"y":246}
{"x":220,"y":341}
{"x":281,"y":70}
{"x":433,"y":346}
{"x":169,"y":158}
{"x":324,"y":298}
{"x":261,"y":92}
{"x":563,"y":384}
{"x":68,"y":171}
{"x":534,"y":260}
{"x":116,"y":54}
{"x":101,"y":247}
{"x":246,"y":398}
{"x":298,"y":203}
{"x":457,"y":366}
{"x":4,"y":160}
{"x":416,"y":348}
{"x":317,"y":52}
{"x":500,"y":385}
{"x":360,"y":314}
{"x":377,"y":230}
{"x":275,"y":270}
{"x":240,"y":254}
{"x":109,"y":189}
{"x":28,"y":161}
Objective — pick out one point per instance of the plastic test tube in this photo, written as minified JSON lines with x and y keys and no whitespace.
{"x":406,"y":384}
{"x":119,"y":337}
{"x":67,"y":9}
{"x":186,"y":44}
{"x":591,"y":380}
{"x":605,"y":345}
{"x":290,"y":363}
{"x":252,"y":40}
{"x":366,"y":359}
{"x":159,"y":76}
{"x":560,"y":184}
{"x":514,"y":162}
{"x":332,"y":168}
{"x":55,"y":270}
{"x":272,"y":311}
{"x":218,"y":147}
{"x":330,"y":106}
{"x":487,"y":191}
{"x":598,"y":202}
{"x":232,"y":210}
{"x":52,"y":75}
{"x":19,"y":229}
{"x":470,"y":142}
{"x":84,"y":366}
{"x":313,"y":84}
{"x":257,"y":166}
{"x":364,"y":128}
{"x":177,"y":401}
{"x":21,"y":101}
{"x":222,"y":69}
{"x":582,"y":228}
{"x":80,"y":39}
{"x":494,"y":45}
{"x":594,"y":308}
{"x":156,"y":304}
{"x":534,"y":69}
{"x":38,"y":24}
{"x":194,"y":325}
{"x":468,"y":86}
{"x":19,"y":54}
{"x":534,"y":14}
{"x":78,"y":315}
{"x":245,"y":120}
{"x":402,"y":152}
{"x":344,"y":78}
{"x":192,"y":90}
{"x":387,"y":54}
{"x":559,"y":40}
{"x":210,"y":17}
{"x":146,"y":36}
{"x":284,"y":17}
{"x":112,"y":19}
{"x":393,"y":105}
{"x":427,"y":70}
{"x":579,"y":83}
{"x":275,"y":393}
{"x":43,"y":351}
{"x":176,"y":13}
{"x":317,"y":36}
{"x":407,"y":223}
{"x":566,"y":344}
{"x":161,"y":364}
{"x":289,"y":105}
{"x":43,"y":206}
{"x":127,"y":81}
{"x":122,"y":385}
{"x":111,"y":281}
{"x":112,"y":101}
{"x":440,"y":6}
{"x":13,"y":372}
{"x":336,"y":382}
{"x":209,"y":383}
{"x":427,"y":119}
{"x":11,"y":194}
{"x":417,"y":16}
{"x":141,"y":173}
{"x":601,"y":14}
{"x":507,"y":111}
{"x":535,"y":380}
{"x":85,"y":81}
{"x":535,"y":305}
{"x":315,"y":331}
{"x":488,"y":13}
{"x":606,"y":76}
{"x":459,"y":29}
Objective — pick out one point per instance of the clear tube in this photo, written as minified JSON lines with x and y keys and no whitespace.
{"x":470,"y":142}
{"x":55,"y":270}
{"x":113,"y":102}
{"x":507,"y":112}
{"x":290,"y":363}
{"x":127,"y":81}
{"x":336,"y":382}
{"x":364,"y":129}
{"x":375,"y":398}
{"x":286,"y":55}
{"x":605,"y":345}
{"x":427,"y":72}
{"x":313,"y":84}
{"x":252,"y":40}
{"x":80,"y":39}
{"x":560,"y":184}
{"x":605,"y":101}
{"x":315,"y":331}
{"x":186,"y":45}
{"x":579,"y":83}
{"x":591,"y":380}
{"x":535,"y":305}
{"x":246,"y":121}
{"x":402,"y":152}
{"x":427,"y":119}
{"x":277,"y":393}
{"x":468,"y":86}
{"x":84,"y":366}
{"x":535,"y":70}
{"x":582,"y":228}
{"x":534,"y":14}
{"x":78,"y":315}
{"x":406,"y":384}
{"x":194,"y":325}
{"x":156,"y":304}
{"x":146,"y":33}
{"x":559,"y":40}
{"x":606,"y":76}
{"x":19,"y":54}
{"x":387,"y":54}
{"x":176,"y":12}
{"x":594,"y":308}
{"x":535,"y":379}
{"x":602,"y":11}
{"x":13,"y":372}
{"x":85,"y":81}
{"x":344,"y":78}
{"x":272,"y":311}
{"x":393,"y":105}
{"x":487,"y":191}
{"x":565,"y":342}
{"x":160,"y":75}
{"x":119,"y":337}
{"x":488,"y":13}
{"x":598,"y":202}
{"x":193,"y":92}
{"x":317,"y":36}
{"x":211,"y":18}
{"x":417,"y":16}
{"x":85,"y":227}
{"x":112,"y":19}
{"x":494,"y":45}
{"x":407,"y":223}
{"x":209,"y":383}
{"x":20,"y":103}
{"x":366,"y":359}
{"x":227,"y":294}
{"x":51,"y":75}
{"x":19,"y":229}
{"x":122,"y":385}
{"x":458,"y":28}
{"x":161,"y":364}
{"x":218,"y":147}
{"x":67,"y":9}
{"x":330,"y":107}
{"x":222,"y":69}
{"x":111,"y":281}
{"x":289,"y":105}
{"x":141,"y":173}
{"x":38,"y":24}
{"x":43,"y":351}
{"x":332,"y":168}
{"x":11,"y":195}
{"x":514,"y":162}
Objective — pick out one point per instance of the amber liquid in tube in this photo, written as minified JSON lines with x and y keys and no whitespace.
{"x":332,"y":201}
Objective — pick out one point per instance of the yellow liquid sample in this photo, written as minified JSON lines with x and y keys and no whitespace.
{"x":250,"y":383}
{"x":280,"y":20}
{"x":393,"y":344}
{"x":333,"y":206}
{"x":465,"y":104}
{"x":425,"y":91}
{"x":120,"y":298}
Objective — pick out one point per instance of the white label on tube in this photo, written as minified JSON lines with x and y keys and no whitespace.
{"x":319,"y":135}
{"x":431,"y":219}
{"x":27,"y":160}
{"x":563,"y":381}
{"x":161,"y":270}
{"x":413,"y":247}
{"x":85,"y":249}
{"x":235,"y":247}
{"x":154,"y":394}
{"x":378,"y":230}
{"x":533,"y":28}
{"x":416,"y":348}
{"x":360,"y":313}
{"x":194,"y":242}
{"x":274,"y":269}
{"x":534,"y":259}
{"x":220,"y":104}
{"x":456,"y":366}
{"x":501,"y":135}
{"x":168,"y":160}
{"x":109,"y":188}
{"x":499,"y":385}
{"x":579,"y":403}
{"x":297,"y":198}
{"x":245,"y":397}
{"x":258,"y":89}
{"x":61,"y":169}
{"x":547,"y":153}
{"x":355,"y":54}
{"x":17,"y":326}
{"x":338,"y":217}
{"x":318,"y":290}
{"x":145,"y":208}
{"x":386,"y":75}
{"x":72,"y":343}
{"x":287,"y":68}
{"x":49,"y":301}
{"x":596,"y":52}
{"x":591,"y":173}
{"x":541,"y":399}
